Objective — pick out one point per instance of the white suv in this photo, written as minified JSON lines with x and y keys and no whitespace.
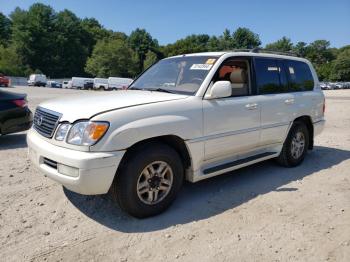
{"x":187,"y":117}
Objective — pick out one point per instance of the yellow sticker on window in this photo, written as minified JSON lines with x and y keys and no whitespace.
{"x":210,"y":61}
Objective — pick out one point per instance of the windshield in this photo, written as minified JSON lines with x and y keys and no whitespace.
{"x":183,"y":75}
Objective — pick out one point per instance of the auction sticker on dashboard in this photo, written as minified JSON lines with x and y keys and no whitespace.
{"x":200,"y":67}
{"x":210,"y":61}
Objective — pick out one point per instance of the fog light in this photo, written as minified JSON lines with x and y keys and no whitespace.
{"x":67,"y":170}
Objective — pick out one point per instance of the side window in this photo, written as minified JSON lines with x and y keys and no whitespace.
{"x":300,"y":77}
{"x":268,"y":73}
{"x":237,"y":72}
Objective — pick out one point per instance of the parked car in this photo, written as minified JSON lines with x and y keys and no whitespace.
{"x":37,"y":80}
{"x":101,"y":83}
{"x":4,"y":81}
{"x":88,"y":85}
{"x":339,"y":85}
{"x":116,"y":83}
{"x":323,"y":85}
{"x":187,"y":117}
{"x":67,"y":84}
{"x":15,"y":115}
{"x":78,"y":82}
{"x":54,"y":84}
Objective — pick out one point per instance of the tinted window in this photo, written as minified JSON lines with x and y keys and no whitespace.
{"x":300,"y":77}
{"x":268,"y":76}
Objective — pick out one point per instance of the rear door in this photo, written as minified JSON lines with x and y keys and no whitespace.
{"x":301,"y":85}
{"x":277,"y":104}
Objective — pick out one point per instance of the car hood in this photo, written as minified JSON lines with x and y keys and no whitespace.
{"x":5,"y":95}
{"x":84,"y":106}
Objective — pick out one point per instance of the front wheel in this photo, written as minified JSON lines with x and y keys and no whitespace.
{"x":295,"y":146}
{"x":148,"y":181}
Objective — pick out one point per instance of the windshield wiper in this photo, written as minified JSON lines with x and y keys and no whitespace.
{"x":162,"y":90}
{"x":152,"y":89}
{"x":135,"y":88}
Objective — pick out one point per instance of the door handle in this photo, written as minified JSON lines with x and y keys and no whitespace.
{"x":289,"y":101}
{"x":251,"y":106}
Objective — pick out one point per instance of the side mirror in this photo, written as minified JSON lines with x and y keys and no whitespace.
{"x":220,"y":89}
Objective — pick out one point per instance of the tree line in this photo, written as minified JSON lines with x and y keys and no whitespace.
{"x":59,"y":44}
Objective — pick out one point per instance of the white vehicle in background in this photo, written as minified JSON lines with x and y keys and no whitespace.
{"x":37,"y":80}
{"x":78,"y":82}
{"x":116,"y":83}
{"x":67,"y":84}
{"x":101,"y":83}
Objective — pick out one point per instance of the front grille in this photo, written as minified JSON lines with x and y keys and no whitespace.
{"x":45,"y":121}
{"x":50,"y":163}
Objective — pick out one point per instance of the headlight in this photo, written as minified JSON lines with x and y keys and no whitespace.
{"x":62,"y":132}
{"x":86,"y":133}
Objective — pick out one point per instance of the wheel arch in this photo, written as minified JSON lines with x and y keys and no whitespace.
{"x":175,"y":142}
{"x":308,"y":122}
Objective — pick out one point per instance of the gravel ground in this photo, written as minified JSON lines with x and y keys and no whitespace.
{"x":260,"y":213}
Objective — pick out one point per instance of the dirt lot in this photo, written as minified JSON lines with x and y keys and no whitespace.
{"x":260,"y":213}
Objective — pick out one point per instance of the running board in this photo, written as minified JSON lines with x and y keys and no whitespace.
{"x":236,"y":163}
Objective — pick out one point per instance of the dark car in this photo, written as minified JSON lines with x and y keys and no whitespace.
{"x":88,"y":85}
{"x":54,"y":84}
{"x":15,"y":115}
{"x":4,"y":81}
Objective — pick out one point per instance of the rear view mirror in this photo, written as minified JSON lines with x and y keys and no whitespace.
{"x":220,"y":89}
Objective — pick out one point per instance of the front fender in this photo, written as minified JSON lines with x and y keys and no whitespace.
{"x":129,"y":134}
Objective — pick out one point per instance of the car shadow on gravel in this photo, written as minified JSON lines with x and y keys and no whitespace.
{"x":212,"y":196}
{"x":13,"y":141}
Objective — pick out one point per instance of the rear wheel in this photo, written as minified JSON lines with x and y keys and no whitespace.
{"x":148,"y":181}
{"x":296,"y":145}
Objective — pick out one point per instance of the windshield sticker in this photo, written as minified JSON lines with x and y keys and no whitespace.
{"x":200,"y":67}
{"x":210,"y":61}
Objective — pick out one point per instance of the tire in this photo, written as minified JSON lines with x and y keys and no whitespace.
{"x":290,"y":155}
{"x":124,"y":188}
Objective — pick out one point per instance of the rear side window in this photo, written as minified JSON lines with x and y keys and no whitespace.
{"x":268,"y":73}
{"x":300,"y":77}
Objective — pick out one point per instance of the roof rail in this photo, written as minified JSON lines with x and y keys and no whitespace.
{"x":262,"y":50}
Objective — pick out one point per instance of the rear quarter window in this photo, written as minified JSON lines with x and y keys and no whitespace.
{"x":300,"y":76}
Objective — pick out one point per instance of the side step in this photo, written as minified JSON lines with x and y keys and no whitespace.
{"x":236,"y":163}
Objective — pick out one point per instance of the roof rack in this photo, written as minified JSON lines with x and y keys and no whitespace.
{"x":262,"y":50}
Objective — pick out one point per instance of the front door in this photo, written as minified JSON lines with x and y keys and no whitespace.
{"x":232,"y":124}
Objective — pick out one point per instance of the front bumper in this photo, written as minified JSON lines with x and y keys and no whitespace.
{"x":96,"y":170}
{"x":16,"y":120}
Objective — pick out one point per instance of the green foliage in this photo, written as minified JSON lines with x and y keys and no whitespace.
{"x":69,"y":56}
{"x":10,"y":62}
{"x":324,"y":71}
{"x":225,"y":41}
{"x":59,"y":44}
{"x":141,"y":42}
{"x":342,"y":66}
{"x":284,"y":44}
{"x":112,"y":57}
{"x":5,"y":29}
{"x":32,"y":37}
{"x":319,"y":53}
{"x":300,"y":49}
{"x":190,"y":44}
{"x":244,"y":38}
{"x":151,"y":58}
